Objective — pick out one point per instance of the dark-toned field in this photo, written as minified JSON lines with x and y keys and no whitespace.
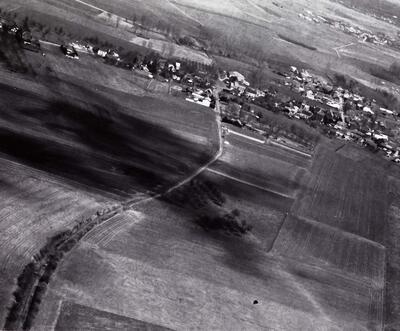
{"x":69,"y":150}
{"x":77,"y":317}
{"x":99,"y":143}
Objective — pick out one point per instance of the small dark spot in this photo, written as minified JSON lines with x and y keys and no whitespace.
{"x":255,"y":302}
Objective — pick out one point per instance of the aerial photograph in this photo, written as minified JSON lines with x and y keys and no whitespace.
{"x":199,"y":165}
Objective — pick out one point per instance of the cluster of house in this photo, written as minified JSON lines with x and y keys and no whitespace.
{"x":363,"y":35}
{"x":353,"y":117}
{"x":23,"y":36}
{"x":348,"y":115}
{"x":237,"y":84}
{"x":201,"y":97}
{"x":197,"y":85}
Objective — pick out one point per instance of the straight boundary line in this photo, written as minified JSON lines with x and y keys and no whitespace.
{"x":247,"y":137}
{"x":249,"y":184}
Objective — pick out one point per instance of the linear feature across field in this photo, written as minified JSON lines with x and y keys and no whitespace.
{"x":265,"y":166}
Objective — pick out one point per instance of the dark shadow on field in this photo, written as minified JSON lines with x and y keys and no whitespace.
{"x":94,"y":142}
{"x":241,"y":252}
{"x":12,"y":57}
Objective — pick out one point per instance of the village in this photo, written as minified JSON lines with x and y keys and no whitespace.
{"x":362,"y":35}
{"x":301,"y":96}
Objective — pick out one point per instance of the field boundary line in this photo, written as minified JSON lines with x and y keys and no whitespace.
{"x":249,"y":184}
{"x":68,"y":183}
{"x":91,"y":6}
{"x":278,"y":232}
{"x":364,"y":282}
{"x":290,"y":148}
{"x":247,"y":137}
{"x":339,"y":148}
{"x":344,"y":232}
{"x":183,"y":13}
{"x":384,"y":290}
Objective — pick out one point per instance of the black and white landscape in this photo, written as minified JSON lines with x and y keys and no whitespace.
{"x":199,"y":165}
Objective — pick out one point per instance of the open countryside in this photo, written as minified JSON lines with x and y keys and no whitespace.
{"x":182,"y":164}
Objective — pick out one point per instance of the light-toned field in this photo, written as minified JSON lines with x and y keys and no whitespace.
{"x":34,"y":207}
{"x":315,"y":243}
{"x":345,"y":194}
{"x":166,"y":271}
{"x":241,"y":160}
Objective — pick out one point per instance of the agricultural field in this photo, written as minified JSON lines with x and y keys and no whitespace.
{"x":99,"y":142}
{"x":166,"y":270}
{"x":74,"y":316}
{"x":266,"y":237}
{"x":185,"y":272}
{"x":33,"y":207}
{"x":392,"y":233}
{"x":69,"y":150}
{"x":261,"y":165}
{"x":315,"y":243}
{"x":346,"y":194}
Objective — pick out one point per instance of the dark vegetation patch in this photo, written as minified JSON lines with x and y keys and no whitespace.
{"x":270,"y":11}
{"x":382,"y":97}
{"x":296,"y":42}
{"x":74,"y":317}
{"x":391,"y":74}
{"x":206,"y":203}
{"x":12,"y":57}
{"x":380,"y":8}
